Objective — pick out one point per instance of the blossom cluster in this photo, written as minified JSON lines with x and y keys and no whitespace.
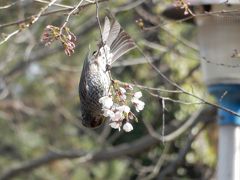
{"x":116,"y":108}
{"x":183,"y":4}
{"x":64,"y":35}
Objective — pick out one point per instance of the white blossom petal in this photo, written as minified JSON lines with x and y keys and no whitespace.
{"x":106,"y":102}
{"x":127,"y":127}
{"x":129,"y":87}
{"x":138,"y":94}
{"x":115,"y":125}
{"x":108,"y":113}
{"x":122,"y":90}
{"x":123,"y":108}
{"x":123,"y":97}
{"x":135,"y":100}
{"x":118,"y":116}
{"x":139,"y":105}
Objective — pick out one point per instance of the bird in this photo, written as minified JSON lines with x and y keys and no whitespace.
{"x":95,"y":80}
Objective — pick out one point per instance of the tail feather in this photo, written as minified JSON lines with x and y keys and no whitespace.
{"x":122,"y":50}
{"x":106,"y":29}
{"x":122,"y":44}
{"x":113,"y":34}
{"x":116,"y":38}
{"x":121,"y":37}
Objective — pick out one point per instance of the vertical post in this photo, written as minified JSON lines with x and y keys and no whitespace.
{"x":228,"y":167}
{"x":229,"y":153}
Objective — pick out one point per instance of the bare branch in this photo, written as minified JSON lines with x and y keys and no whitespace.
{"x":107,"y":154}
{"x":8,"y":5}
{"x":181,"y":155}
{"x":55,"y":4}
{"x":47,"y":14}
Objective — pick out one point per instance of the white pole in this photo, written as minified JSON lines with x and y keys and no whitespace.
{"x":229,"y":153}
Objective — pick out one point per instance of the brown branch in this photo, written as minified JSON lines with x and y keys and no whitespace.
{"x":40,"y":55}
{"x":107,"y":154}
{"x":174,"y":84}
{"x":181,"y":155}
{"x":48,"y":13}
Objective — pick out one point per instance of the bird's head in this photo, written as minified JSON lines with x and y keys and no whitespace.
{"x":90,"y":121}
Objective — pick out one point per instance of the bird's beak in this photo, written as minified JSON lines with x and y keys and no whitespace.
{"x":89,"y":52}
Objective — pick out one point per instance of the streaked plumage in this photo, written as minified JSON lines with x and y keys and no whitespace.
{"x":95,"y":80}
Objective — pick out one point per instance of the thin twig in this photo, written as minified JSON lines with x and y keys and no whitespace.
{"x":9,"y":36}
{"x":69,"y":14}
{"x":34,"y":20}
{"x":128,"y":6}
{"x":56,"y":4}
{"x":134,"y":148}
{"x":181,"y":89}
{"x":148,"y":88}
{"x":47,"y":14}
{"x":8,"y":5}
{"x":181,"y":155}
{"x":175,"y":134}
{"x":163,"y":119}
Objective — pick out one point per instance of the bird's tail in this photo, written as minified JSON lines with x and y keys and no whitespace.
{"x":116,"y":38}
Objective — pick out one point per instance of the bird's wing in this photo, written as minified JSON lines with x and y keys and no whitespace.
{"x":106,"y":29}
{"x":122,"y":44}
{"x":113,"y":34}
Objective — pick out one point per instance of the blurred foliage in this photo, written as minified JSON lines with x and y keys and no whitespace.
{"x":41,"y":111}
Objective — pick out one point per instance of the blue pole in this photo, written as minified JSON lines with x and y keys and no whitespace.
{"x":228,"y":95}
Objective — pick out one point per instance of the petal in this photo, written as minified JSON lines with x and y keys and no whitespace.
{"x":138,"y":94}
{"x":123,"y":108}
{"x":108,"y":113}
{"x":106,"y":102}
{"x":122,"y":90}
{"x":128,"y":87}
{"x":127,"y":127}
{"x":126,"y":109}
{"x":134,"y":100}
{"x":118,"y":116}
{"x":140,"y":106}
{"x":123,"y":97}
{"x":114,"y":125}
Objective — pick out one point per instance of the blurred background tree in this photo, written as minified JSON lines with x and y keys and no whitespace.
{"x":41,"y":133}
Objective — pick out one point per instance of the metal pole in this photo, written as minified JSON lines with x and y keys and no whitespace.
{"x":228,"y":167}
{"x":229,"y":153}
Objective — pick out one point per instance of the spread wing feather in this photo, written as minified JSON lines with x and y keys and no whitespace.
{"x":118,"y":40}
{"x":106,"y":29}
{"x":114,"y":32}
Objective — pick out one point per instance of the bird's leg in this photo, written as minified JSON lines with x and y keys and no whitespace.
{"x":108,"y":67}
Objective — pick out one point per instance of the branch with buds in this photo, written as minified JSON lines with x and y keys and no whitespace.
{"x":66,"y":37}
{"x":184,"y":4}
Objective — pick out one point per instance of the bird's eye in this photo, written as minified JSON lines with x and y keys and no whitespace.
{"x":94,"y":53}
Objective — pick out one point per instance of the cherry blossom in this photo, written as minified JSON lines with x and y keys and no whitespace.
{"x":106,"y":102}
{"x":122,"y":94}
{"x":124,"y":108}
{"x":139,"y":105}
{"x":116,"y":125}
{"x":116,"y":106}
{"x":127,"y":127}
{"x":65,"y":36}
{"x":108,"y":113}
{"x":138,"y":94}
{"x":128,"y":87}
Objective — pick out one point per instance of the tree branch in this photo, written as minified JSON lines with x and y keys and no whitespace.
{"x":107,"y":154}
